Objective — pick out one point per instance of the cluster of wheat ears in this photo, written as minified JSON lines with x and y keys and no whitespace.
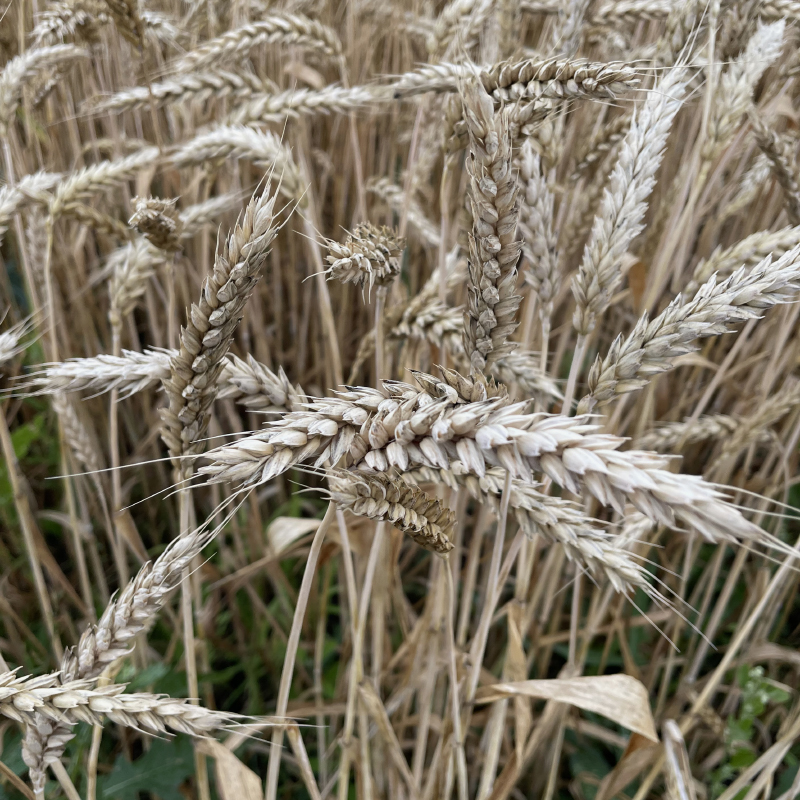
{"x":425,"y":265}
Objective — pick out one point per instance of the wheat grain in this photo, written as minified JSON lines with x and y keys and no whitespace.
{"x":89,"y":181}
{"x":533,"y":79}
{"x":192,"y":87}
{"x":10,"y":340}
{"x":414,"y":428}
{"x":736,"y":86}
{"x":130,"y":267}
{"x":270,"y":107}
{"x":749,"y":187}
{"x":667,"y":437}
{"x":247,"y":381}
{"x":536,"y":225}
{"x":749,"y":251}
{"x":29,"y":189}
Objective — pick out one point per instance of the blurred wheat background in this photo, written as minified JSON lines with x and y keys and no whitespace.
{"x":399,"y":399}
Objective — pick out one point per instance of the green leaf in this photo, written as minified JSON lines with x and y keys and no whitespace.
{"x":160,"y":772}
{"x":742,"y":758}
{"x":140,"y":681}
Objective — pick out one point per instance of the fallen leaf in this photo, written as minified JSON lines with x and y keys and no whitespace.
{"x":620,"y":698}
{"x":235,"y":781}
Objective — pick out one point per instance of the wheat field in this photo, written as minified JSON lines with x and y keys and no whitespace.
{"x":400,"y":399}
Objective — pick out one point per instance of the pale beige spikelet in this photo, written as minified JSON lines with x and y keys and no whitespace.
{"x":270,"y":107}
{"x":666,"y":438}
{"x":209,"y":330}
{"x":187,"y":88}
{"x":11,"y":340}
{"x":257,"y":387}
{"x":158,"y":221}
{"x":471,"y":428}
{"x":753,"y":427}
{"x":490,"y":318}
{"x":113,"y":636}
{"x":30,"y":190}
{"x":749,"y":187}
{"x":748,"y":252}
{"x":684,"y":32}
{"x":89,"y":181}
{"x":370,"y":256}
{"x":421,"y":517}
{"x":601,"y":145}
{"x":555,"y":519}
{"x":532,"y":79}
{"x":248,"y":382}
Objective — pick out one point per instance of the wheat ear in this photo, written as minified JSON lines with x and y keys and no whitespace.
{"x":23,"y":68}
{"x":421,"y":517}
{"x":556,"y":520}
{"x":209,"y":330}
{"x":780,"y":153}
{"x":652,"y":346}
{"x":492,"y":299}
{"x":619,"y":220}
{"x":294,"y":30}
